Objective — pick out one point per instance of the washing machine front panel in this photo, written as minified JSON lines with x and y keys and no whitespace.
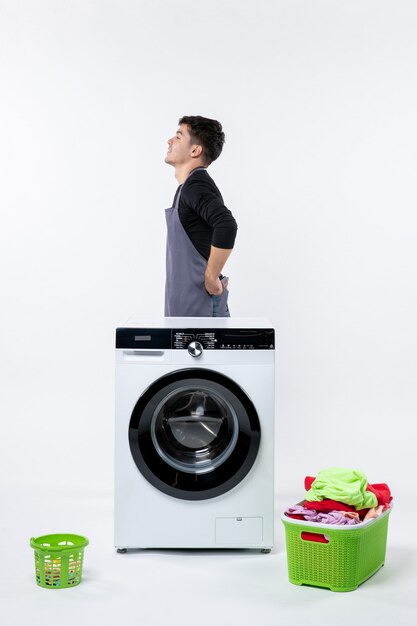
{"x":194,"y":434}
{"x":243,"y":514}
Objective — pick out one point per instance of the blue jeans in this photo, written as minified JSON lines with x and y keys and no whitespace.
{"x":215,"y":300}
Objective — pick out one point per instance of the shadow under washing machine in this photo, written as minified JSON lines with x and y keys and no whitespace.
{"x":194,"y":457}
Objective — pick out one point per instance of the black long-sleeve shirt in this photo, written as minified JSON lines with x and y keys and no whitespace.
{"x":203,"y":214}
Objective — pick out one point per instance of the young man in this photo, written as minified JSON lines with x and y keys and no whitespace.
{"x":201,"y":230}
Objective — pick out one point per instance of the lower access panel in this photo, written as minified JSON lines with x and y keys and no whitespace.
{"x":239,"y":531}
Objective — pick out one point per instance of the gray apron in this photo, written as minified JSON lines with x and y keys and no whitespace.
{"x":185,"y":293}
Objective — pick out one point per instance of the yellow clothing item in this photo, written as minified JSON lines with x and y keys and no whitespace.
{"x":343,"y":485}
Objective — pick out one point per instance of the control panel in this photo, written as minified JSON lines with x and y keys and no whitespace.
{"x":226,"y":339}
{"x":208,"y":338}
{"x":182,"y":339}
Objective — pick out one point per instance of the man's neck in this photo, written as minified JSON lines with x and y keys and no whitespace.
{"x":183,"y":171}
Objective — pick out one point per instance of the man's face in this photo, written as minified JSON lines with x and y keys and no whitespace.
{"x":180,"y":147}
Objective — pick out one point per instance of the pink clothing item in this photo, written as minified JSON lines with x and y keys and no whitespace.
{"x":374,"y":512}
{"x":333,"y":517}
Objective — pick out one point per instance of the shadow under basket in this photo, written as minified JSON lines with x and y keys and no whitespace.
{"x":58,"y":560}
{"x":339,"y":558}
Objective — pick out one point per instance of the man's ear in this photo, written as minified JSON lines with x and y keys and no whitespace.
{"x":197,"y":151}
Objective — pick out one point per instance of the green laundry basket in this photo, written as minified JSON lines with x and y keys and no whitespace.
{"x":337,"y":557}
{"x":58,"y":560}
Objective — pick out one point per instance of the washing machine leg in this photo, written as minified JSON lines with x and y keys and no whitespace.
{"x":265,"y":550}
{"x":121,"y":550}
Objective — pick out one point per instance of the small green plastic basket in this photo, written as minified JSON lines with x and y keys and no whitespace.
{"x":339,"y":558}
{"x":58,"y":560}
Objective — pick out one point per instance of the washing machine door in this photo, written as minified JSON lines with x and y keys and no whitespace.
{"x":194,"y":434}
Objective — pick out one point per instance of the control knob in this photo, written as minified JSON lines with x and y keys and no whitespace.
{"x":195,"y":349}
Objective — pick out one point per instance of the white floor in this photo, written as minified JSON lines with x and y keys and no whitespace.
{"x":184,"y":587}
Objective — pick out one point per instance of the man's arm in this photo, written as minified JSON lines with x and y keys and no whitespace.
{"x":215,"y":264}
{"x":203,"y":198}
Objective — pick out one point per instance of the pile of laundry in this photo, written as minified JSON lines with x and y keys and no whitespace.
{"x":341,"y":496}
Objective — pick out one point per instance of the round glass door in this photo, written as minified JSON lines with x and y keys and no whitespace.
{"x":194,"y":429}
{"x":194,"y":434}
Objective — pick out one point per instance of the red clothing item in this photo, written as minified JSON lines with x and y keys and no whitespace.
{"x":328,"y":505}
{"x":382,"y":492}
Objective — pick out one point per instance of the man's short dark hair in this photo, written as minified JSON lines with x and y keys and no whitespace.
{"x":208,"y":133}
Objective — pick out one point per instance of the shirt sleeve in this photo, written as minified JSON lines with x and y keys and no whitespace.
{"x":205,"y":199}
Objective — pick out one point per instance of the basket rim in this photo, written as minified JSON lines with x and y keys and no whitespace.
{"x":78,"y":541}
{"x":343,"y":527}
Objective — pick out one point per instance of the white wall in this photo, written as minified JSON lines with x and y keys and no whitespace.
{"x":318,"y":102}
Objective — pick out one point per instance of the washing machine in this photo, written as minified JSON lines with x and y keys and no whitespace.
{"x":194,"y":454}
